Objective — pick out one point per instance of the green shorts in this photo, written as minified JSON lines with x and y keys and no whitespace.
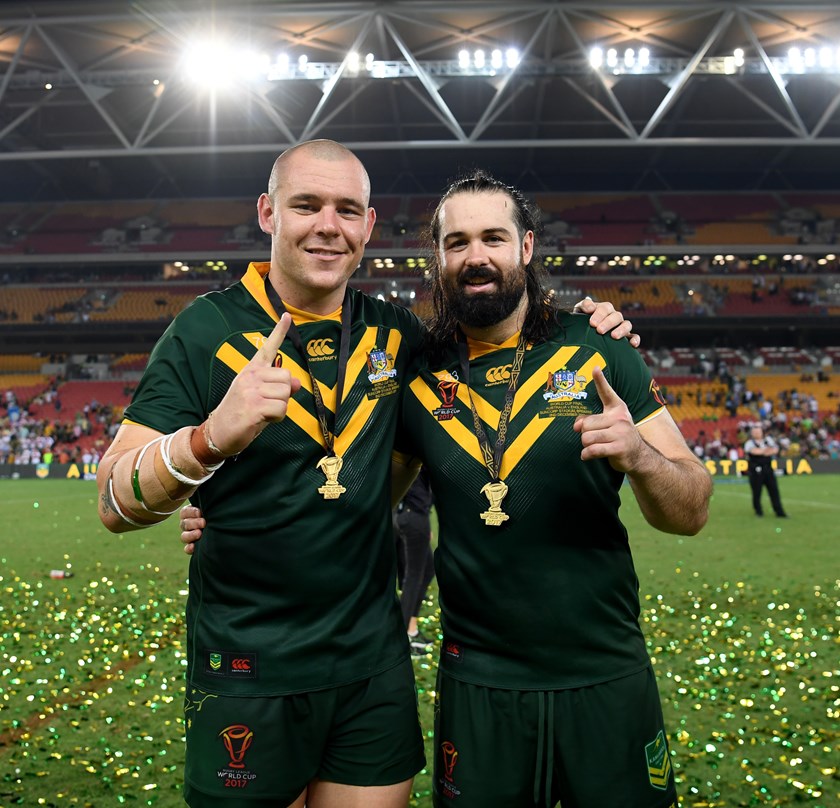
{"x":592,"y":746}
{"x":261,"y":752}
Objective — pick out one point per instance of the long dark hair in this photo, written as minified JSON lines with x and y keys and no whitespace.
{"x":543,"y":313}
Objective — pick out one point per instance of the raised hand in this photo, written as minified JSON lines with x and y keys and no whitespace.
{"x":605,"y":317}
{"x":258,"y":396}
{"x":612,"y":433}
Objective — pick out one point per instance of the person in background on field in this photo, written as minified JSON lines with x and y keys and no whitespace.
{"x":413,"y":533}
{"x":760,"y":450}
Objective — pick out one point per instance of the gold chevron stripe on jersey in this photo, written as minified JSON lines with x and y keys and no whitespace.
{"x":536,"y":380}
{"x":462,"y":435}
{"x":529,"y":435}
{"x":296,"y":413}
{"x":358,"y":362}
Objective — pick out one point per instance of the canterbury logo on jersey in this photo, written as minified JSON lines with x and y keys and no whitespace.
{"x":231,"y":664}
{"x":301,"y":410}
{"x":498,"y":375}
{"x":320,"y":349}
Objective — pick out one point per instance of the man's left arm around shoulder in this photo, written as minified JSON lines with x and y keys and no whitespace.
{"x":671,"y":485}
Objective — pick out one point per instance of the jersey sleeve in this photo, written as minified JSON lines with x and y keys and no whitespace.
{"x":173,"y":391}
{"x":631,"y":378}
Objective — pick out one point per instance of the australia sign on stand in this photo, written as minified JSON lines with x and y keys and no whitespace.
{"x":51,"y":471}
{"x":787,"y":466}
{"x":717,"y":468}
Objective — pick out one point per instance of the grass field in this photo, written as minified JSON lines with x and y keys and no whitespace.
{"x":741,"y":621}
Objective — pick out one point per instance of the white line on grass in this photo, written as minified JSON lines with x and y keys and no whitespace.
{"x":832,"y":506}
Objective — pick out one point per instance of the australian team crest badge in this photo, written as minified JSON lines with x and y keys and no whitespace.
{"x":381,"y":374}
{"x":565,"y":385}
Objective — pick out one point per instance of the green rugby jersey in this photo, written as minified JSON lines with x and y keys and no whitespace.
{"x":288,"y":592}
{"x":549,"y":598}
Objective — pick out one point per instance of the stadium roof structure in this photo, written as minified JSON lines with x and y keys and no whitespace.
{"x":96,"y":101}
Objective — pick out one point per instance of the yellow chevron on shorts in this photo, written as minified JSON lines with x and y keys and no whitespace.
{"x":659,"y":777}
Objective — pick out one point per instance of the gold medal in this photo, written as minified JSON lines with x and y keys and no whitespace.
{"x":496,"y":490}
{"x":495,"y":493}
{"x":331,"y":466}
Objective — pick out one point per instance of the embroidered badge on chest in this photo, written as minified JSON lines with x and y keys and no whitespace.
{"x":381,"y":374}
{"x":565,"y":393}
{"x":447,"y":389}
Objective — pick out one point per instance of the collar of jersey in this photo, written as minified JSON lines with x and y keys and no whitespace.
{"x":254,"y":281}
{"x":478,"y":348}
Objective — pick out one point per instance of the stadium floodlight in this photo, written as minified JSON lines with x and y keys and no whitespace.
{"x":512,"y":58}
{"x":826,"y":58}
{"x":369,"y":58}
{"x":282,"y":64}
{"x":496,"y":59}
{"x":353,"y":62}
{"x":612,"y":57}
{"x":463,"y":59}
{"x":596,"y":57}
{"x":810,"y":57}
{"x":209,"y":63}
{"x":479,"y":59}
{"x":303,"y":61}
{"x":738,"y":54}
{"x":644,"y":58}
{"x":629,"y":57}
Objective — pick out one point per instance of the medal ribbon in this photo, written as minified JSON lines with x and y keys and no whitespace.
{"x":492,"y":456}
{"x":343,"y":356}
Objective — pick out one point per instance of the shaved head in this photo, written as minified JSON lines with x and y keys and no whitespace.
{"x":327,"y":150}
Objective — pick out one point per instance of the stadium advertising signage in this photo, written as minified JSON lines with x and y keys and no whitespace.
{"x":717,"y":468}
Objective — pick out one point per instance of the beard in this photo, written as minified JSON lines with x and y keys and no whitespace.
{"x":485,"y":309}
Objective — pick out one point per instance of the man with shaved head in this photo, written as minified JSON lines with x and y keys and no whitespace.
{"x":273,"y":406}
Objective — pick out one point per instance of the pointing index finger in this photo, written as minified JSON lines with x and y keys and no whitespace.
{"x":268,"y":352}
{"x":605,"y":392}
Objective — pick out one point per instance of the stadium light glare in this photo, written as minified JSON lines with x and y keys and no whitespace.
{"x":369,"y":59}
{"x":810,"y":57}
{"x":463,"y":59}
{"x":353,"y":62}
{"x":612,"y":57}
{"x":738,"y":55}
{"x":644,"y":57}
{"x":512,"y":58}
{"x":209,"y":64}
{"x":479,"y":59}
{"x":596,"y":57}
{"x":629,"y":57}
{"x":826,"y":58}
{"x":496,"y":59}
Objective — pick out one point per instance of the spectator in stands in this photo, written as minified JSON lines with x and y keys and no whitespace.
{"x":760,"y":451}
